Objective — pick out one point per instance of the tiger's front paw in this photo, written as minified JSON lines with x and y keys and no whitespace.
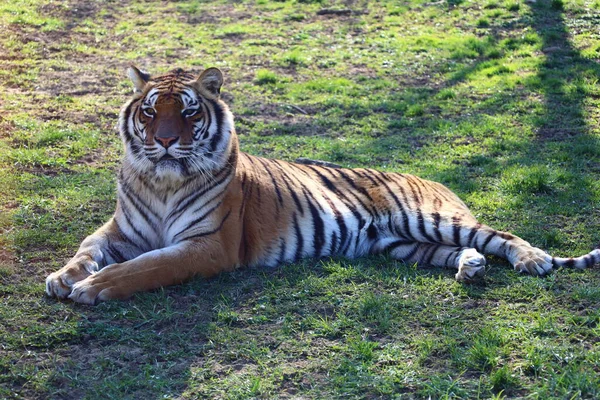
{"x":91,"y":290}
{"x":60,"y":283}
{"x":533,"y":261}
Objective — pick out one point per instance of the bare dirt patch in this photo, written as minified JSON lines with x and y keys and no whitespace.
{"x":559,"y":134}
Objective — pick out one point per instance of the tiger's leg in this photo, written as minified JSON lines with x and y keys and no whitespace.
{"x":157,"y":268}
{"x":104,"y":247}
{"x":469,"y":262}
{"x":522,"y":255}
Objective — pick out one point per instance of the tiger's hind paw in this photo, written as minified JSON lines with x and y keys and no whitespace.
{"x":534,"y":262}
{"x":471,"y":266}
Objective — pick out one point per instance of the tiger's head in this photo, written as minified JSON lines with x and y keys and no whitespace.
{"x":175,"y":126}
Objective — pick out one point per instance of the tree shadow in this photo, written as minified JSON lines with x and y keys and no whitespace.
{"x":565,"y":78}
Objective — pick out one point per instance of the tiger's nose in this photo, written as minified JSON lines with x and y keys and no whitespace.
{"x":166,"y":141}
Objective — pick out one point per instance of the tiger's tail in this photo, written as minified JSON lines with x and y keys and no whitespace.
{"x":585,"y":261}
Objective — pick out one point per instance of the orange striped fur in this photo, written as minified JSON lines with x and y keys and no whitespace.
{"x":190,"y":203}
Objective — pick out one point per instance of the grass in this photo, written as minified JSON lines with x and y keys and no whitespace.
{"x":498,"y":100}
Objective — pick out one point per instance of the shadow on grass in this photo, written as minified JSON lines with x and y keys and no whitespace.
{"x":150,"y":346}
{"x":564,"y":77}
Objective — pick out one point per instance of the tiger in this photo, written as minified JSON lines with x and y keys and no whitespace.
{"x":190,"y":203}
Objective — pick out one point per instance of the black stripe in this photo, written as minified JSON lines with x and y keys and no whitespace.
{"x":448,"y":258}
{"x":397,"y":243}
{"x":139,"y":202}
{"x":487,"y":241}
{"x":192,"y":197}
{"x":372,"y":211}
{"x":363,"y":174}
{"x":136,"y":117}
{"x":244,"y":194}
{"x":405,"y":217}
{"x":308,"y":194}
{"x":275,"y":185}
{"x":472,"y":235}
{"x":258,"y":194}
{"x":126,"y":214}
{"x":456,"y":227}
{"x":292,"y":192}
{"x":126,"y":115}
{"x":412,"y":252}
{"x":416,"y":197}
{"x":406,"y":224}
{"x":148,"y":186}
{"x":114,"y":253}
{"x":198,"y":220}
{"x":350,"y":181}
{"x":381,"y":174}
{"x":343,"y":232}
{"x":418,"y":183}
{"x":339,"y":219}
{"x":432,"y":254}
{"x":343,"y":250}
{"x":435,"y":188}
{"x":422,"y":228}
{"x":209,"y":232}
{"x":436,"y":225}
{"x":295,"y":198}
{"x":299,"y":239}
{"x":391,"y":226}
{"x":506,"y":235}
{"x":245,"y":247}
{"x":282,"y":249}
{"x":334,"y":242}
{"x":208,"y":122}
{"x":204,"y":204}
{"x":570,"y":263}
{"x":318,"y":227}
{"x":218,"y":113}
{"x":328,"y":184}
{"x":372,"y":231}
{"x":201,"y":206}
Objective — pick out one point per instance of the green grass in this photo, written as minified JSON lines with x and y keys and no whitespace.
{"x":498,"y":100}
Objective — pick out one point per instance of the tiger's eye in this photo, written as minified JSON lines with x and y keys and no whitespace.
{"x":188,"y":112}
{"x":149,"y":111}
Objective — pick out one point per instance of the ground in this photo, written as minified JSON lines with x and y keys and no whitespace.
{"x":499,"y":100}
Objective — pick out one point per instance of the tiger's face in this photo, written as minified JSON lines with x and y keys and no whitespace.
{"x":176,"y":126}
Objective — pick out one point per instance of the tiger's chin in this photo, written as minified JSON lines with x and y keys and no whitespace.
{"x":170,"y":170}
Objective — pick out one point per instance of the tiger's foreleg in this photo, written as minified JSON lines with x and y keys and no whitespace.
{"x":469,"y":262}
{"x":168,"y":266}
{"x":104,"y":247}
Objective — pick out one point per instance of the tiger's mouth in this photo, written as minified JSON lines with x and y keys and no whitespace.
{"x":166,"y":159}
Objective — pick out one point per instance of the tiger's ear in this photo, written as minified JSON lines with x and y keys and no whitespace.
{"x":138,"y":77}
{"x":210,"y":80}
